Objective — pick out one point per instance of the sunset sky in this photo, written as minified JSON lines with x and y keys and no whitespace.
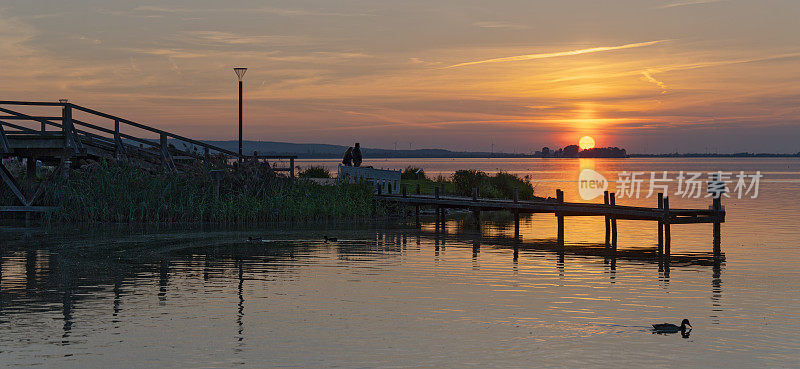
{"x":647,"y":75}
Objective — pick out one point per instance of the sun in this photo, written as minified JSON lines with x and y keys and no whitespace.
{"x":586,"y":143}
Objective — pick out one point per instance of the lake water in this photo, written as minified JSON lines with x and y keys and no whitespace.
{"x":388,"y":295}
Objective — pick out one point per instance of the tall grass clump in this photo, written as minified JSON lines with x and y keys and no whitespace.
{"x":106,"y":192}
{"x":501,"y":185}
{"x":314,"y":172}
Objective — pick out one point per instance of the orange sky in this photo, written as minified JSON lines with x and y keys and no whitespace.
{"x":651,"y":76}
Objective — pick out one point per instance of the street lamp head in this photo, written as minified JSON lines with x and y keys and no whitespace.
{"x":240,"y":72}
{"x":63,"y":101}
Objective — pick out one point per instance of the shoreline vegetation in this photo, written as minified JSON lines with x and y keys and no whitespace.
{"x":461,"y":183}
{"x":104,"y":192}
{"x":119,"y":192}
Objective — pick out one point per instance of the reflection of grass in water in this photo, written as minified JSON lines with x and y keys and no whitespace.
{"x":122,"y":193}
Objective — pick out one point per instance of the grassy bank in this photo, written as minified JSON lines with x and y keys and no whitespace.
{"x":104,"y":192}
{"x":461,"y":183}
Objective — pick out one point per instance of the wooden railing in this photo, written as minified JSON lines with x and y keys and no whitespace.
{"x":80,"y":136}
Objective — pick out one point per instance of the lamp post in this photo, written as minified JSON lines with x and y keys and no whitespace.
{"x":240,"y":73}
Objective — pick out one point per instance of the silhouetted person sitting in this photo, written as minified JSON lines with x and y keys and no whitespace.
{"x":348,"y":157}
{"x":357,"y":155}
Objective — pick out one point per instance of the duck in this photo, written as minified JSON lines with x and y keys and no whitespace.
{"x":331,"y":239}
{"x":672,"y":328}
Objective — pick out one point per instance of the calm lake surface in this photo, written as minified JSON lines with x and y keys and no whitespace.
{"x":388,"y":295}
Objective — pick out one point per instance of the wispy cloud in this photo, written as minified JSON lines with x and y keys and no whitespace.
{"x":686,"y":3}
{"x":559,"y":54}
{"x":263,"y":10}
{"x":499,"y":25}
{"x":649,"y":78}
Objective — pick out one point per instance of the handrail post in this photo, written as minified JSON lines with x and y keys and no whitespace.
{"x":612,"y":199}
{"x":660,"y":225}
{"x":70,"y":141}
{"x":717,"y":206}
{"x":118,"y":139}
{"x":607,"y":219}
{"x":667,"y":235}
{"x":560,"y":216}
{"x":165,"y":155}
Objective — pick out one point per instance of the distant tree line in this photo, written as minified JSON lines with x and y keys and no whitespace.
{"x":573,"y":151}
{"x":710,"y":155}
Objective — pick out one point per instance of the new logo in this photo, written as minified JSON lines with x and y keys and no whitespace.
{"x":591,"y":184}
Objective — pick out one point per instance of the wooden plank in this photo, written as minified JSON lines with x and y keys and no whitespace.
{"x":38,"y":103}
{"x":38,"y":117}
{"x":544,"y":206}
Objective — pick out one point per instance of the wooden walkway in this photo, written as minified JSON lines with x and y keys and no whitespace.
{"x":662,"y":213}
{"x":61,"y":133}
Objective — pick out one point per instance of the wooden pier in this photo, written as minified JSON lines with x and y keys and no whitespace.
{"x":60,"y":134}
{"x":609,"y":210}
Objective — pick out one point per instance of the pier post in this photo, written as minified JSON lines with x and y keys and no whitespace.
{"x":516,"y":214}
{"x":660,"y":226}
{"x":416,"y":208}
{"x":612,"y":199}
{"x":476,"y":212}
{"x":560,"y":198}
{"x":608,"y":221}
{"x":405,"y":207}
{"x":438,"y":208}
{"x":667,"y":235}
{"x":717,"y":206}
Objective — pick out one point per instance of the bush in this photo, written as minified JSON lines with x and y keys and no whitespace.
{"x":500,"y":185}
{"x":506,"y":182}
{"x":411,"y":173}
{"x":465,"y":180}
{"x":314,"y":172}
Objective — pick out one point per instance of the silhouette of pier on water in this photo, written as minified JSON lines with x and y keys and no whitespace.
{"x":663,"y":214}
{"x":62,"y":138}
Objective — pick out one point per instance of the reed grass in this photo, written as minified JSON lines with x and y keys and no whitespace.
{"x":461,"y":183}
{"x":107,"y":192}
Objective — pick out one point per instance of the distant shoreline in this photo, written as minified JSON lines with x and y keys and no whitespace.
{"x":327,"y":151}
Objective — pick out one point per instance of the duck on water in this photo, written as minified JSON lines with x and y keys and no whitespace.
{"x":666,"y":328}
